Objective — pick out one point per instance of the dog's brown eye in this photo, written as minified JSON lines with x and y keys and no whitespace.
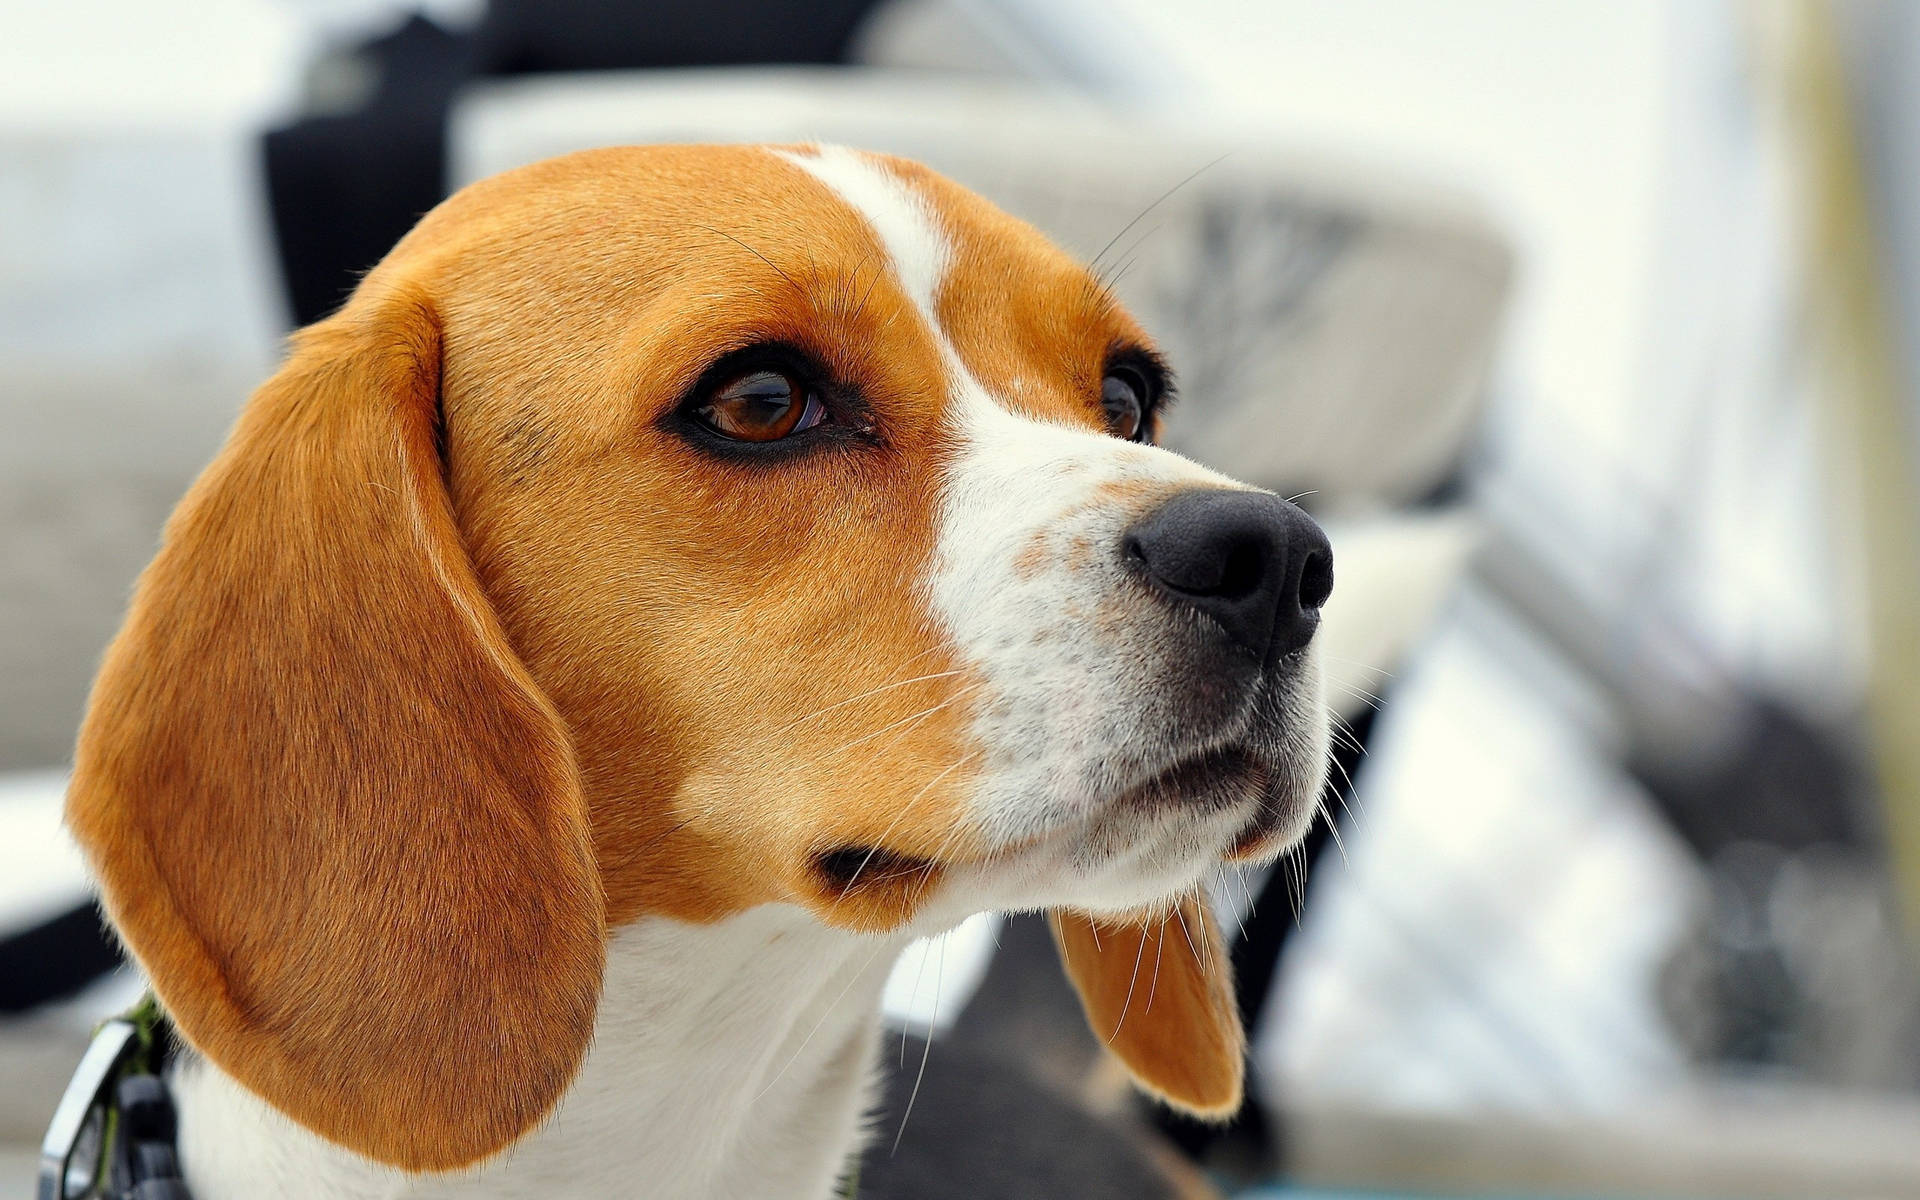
{"x":1123,"y":394}
{"x":762,"y":406}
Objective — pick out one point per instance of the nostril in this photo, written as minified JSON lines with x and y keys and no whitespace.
{"x":1316,"y":580}
{"x":1243,"y":571}
{"x":1228,"y":571}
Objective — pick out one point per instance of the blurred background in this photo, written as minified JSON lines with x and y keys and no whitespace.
{"x":1590,"y":329}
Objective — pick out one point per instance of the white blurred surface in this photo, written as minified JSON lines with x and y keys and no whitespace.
{"x":935,"y":976}
{"x":41,"y":872}
{"x":1491,"y":936}
{"x":116,"y":64}
{"x":138,"y":305}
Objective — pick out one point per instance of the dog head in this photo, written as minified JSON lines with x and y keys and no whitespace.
{"x":673,"y":531}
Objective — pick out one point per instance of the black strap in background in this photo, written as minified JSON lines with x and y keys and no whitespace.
{"x":143,"y":1151}
{"x":55,"y":959}
{"x":145,"y":1157}
{"x":344,"y":187}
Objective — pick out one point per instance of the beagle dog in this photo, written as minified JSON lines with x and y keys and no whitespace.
{"x":676,"y":578}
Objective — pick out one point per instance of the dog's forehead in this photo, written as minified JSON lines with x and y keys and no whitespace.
{"x":1017,"y":312}
{"x":805,"y":208}
{"x":657,"y":260}
{"x":636,"y":218}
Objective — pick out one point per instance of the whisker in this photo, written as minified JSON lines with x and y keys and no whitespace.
{"x":878,"y":275}
{"x":1337,"y":765}
{"x":1353,"y":735}
{"x":922,"y":715}
{"x":933,"y":864}
{"x":1333,"y":828}
{"x":1293,"y":855}
{"x":1354,"y":689}
{"x":939,"y":980}
{"x":1127,"y":264}
{"x":906,"y":1028}
{"x":1239,"y":918}
{"x":676,"y":827}
{"x":1187,"y":933}
{"x":1359,"y":693}
{"x":885,"y":687}
{"x":1299,"y":883}
{"x":879,"y":945}
{"x":1354,"y":662}
{"x":1131,"y":981}
{"x":750,"y":250}
{"x":1094,"y":266}
{"x":1349,"y":810}
{"x":901,"y":815}
{"x":1153,"y":987}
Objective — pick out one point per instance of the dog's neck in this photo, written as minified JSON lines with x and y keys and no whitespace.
{"x":728,"y":1060}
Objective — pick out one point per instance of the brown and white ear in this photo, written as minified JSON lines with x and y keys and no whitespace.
{"x":1159,"y":994}
{"x":330,"y":813}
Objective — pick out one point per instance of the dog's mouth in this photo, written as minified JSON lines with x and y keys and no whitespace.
{"x":1242,"y":801}
{"x":1212,"y":779}
{"x":1271,"y":830}
{"x":1214,"y":782}
{"x":1225,"y":779}
{"x":846,"y":869}
{"x":866,"y":886}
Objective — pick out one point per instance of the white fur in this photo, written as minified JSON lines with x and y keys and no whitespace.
{"x":728,"y":1061}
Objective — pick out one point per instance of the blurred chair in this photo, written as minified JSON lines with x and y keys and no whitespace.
{"x":1331,"y":327}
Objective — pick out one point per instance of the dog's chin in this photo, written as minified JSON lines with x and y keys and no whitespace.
{"x":1239,"y":805}
{"x":1283,"y":817}
{"x":1155,"y":840}
{"x":1180,"y":813}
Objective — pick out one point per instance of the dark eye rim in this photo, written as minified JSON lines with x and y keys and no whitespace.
{"x":847,"y":419}
{"x":1156,"y":380}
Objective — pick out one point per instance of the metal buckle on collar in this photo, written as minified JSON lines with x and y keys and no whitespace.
{"x":73,"y":1156}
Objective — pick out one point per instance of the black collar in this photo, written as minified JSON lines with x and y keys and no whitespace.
{"x":113,"y":1136}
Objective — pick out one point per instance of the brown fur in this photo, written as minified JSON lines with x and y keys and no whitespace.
{"x":332,"y":815}
{"x":1159,"y":995}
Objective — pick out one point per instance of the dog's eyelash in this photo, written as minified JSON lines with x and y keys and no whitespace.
{"x":843,"y":417}
{"x":1154,"y":372}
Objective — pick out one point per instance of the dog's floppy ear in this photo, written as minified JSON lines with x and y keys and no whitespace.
{"x":330,"y":813}
{"x":1159,"y":994}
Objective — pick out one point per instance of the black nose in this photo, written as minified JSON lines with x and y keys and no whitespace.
{"x":1251,"y":561}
